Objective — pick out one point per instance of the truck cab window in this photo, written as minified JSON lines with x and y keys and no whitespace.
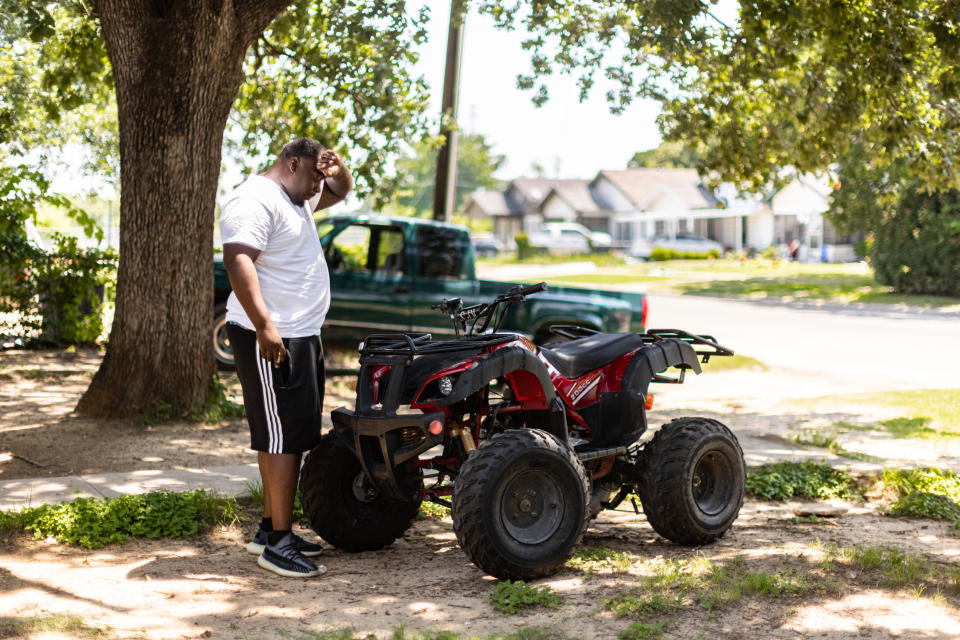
{"x":441,"y":252}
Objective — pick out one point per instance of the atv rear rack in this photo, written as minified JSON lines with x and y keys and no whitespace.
{"x":654,"y":335}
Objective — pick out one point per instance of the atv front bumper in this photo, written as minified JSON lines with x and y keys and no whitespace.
{"x":382,"y":444}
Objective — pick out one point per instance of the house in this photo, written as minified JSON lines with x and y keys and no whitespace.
{"x":643,"y":202}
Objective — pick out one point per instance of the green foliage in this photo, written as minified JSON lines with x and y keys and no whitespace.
{"x":58,"y":296}
{"x":524,"y":248}
{"x":831,"y":443}
{"x":97,"y":522}
{"x":671,"y":155}
{"x":510,"y":597}
{"x":433,"y":510}
{"x":784,"y":480}
{"x":641,"y":631}
{"x":926,"y":492}
{"x":659,"y":254}
{"x":215,"y":408}
{"x":416,"y":174}
{"x":640,"y":607}
{"x":63,"y":626}
{"x":339,"y":71}
{"x":589,"y":559}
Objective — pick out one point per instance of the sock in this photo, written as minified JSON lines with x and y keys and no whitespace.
{"x":275,"y":536}
{"x":266,"y":524}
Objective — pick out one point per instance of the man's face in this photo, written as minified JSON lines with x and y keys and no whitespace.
{"x":305,"y":181}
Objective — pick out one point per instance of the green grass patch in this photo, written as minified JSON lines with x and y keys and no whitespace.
{"x":731,"y":363}
{"x":216,"y":407}
{"x":627,"y":606}
{"x":642,"y":631}
{"x":929,"y":413}
{"x":926,"y":492}
{"x":785,"y":480}
{"x":71,"y":626}
{"x":832,"y":444}
{"x":433,"y":510}
{"x":511,"y":597}
{"x":886,"y":565}
{"x":97,"y":522}
{"x":590,"y":559}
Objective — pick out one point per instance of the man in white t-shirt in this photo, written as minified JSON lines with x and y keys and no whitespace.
{"x":281,"y":294}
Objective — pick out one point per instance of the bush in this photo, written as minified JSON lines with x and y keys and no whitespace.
{"x":524,"y":248}
{"x":659,"y":254}
{"x":917,"y":249}
{"x":56,"y":297}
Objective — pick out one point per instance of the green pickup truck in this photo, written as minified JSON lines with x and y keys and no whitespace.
{"x":386,"y":273}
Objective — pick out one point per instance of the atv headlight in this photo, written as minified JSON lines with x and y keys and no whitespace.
{"x":445,"y":385}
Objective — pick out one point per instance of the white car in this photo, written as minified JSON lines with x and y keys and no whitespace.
{"x":682,"y":242}
{"x":570,"y":237}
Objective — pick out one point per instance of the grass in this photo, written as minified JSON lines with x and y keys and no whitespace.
{"x":832,"y":444}
{"x":69,"y":626}
{"x":97,"y":522}
{"x":885,"y":566}
{"x":785,"y":480}
{"x":753,"y":279}
{"x":926,"y":492}
{"x":400,"y":633}
{"x":730,"y":363}
{"x":511,"y":597}
{"x":590,"y":559}
{"x":929,"y":413}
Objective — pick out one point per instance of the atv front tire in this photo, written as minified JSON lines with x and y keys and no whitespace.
{"x":693,"y":481}
{"x":341,"y":511}
{"x":520,"y":504}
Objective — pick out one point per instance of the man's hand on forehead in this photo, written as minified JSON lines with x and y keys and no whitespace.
{"x":328,"y":163}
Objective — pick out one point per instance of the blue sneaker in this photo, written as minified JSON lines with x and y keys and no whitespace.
{"x":256,"y":546}
{"x":283,"y":558}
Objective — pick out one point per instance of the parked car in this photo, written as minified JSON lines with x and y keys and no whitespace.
{"x":682,"y":243}
{"x":570,"y":237}
{"x":387,"y":273}
{"x":486,"y":245}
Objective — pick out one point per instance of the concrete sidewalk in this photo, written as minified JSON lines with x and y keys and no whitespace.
{"x":233,"y":480}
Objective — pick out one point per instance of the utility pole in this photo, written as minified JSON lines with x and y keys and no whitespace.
{"x":445,"y":188}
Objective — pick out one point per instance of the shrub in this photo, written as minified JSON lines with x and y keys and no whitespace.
{"x":57,"y":297}
{"x":659,"y":254}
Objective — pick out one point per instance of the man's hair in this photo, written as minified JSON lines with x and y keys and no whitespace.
{"x":302,"y":148}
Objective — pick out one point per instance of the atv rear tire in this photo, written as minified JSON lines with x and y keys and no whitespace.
{"x":334,"y":501}
{"x":694,"y":480}
{"x":520,"y":504}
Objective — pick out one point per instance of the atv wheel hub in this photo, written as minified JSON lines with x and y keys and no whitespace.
{"x":531,"y":507}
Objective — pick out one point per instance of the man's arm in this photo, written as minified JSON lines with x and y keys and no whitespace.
{"x":337,"y":181}
{"x":238,"y":259}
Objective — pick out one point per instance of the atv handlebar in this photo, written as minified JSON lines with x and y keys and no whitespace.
{"x":524,"y":291}
{"x":461,"y":315}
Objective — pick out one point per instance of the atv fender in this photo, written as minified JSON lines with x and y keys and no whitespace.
{"x":504,"y":361}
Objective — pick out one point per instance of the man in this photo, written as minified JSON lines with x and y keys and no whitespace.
{"x":281,"y":294}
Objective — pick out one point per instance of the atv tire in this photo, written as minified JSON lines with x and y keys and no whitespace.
{"x":694,"y":480}
{"x":520,"y":504}
{"x":333,"y":499}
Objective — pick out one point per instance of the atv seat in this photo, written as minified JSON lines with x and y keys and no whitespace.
{"x":576,"y":357}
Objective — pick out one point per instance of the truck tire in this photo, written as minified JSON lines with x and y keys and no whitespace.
{"x":221,"y":343}
{"x":337,"y":507}
{"x":520,"y":504}
{"x":694,"y":480}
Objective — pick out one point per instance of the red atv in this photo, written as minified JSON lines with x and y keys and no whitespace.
{"x":525,"y":444}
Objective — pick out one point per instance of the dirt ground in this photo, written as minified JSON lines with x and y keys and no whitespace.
{"x":210,"y":587}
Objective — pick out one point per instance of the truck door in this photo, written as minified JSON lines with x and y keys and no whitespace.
{"x":369,"y":281}
{"x":444,"y":269}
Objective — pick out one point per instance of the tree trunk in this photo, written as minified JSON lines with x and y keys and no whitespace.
{"x":177,"y":66}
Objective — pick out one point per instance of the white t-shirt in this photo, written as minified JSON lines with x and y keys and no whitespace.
{"x":291,"y":268}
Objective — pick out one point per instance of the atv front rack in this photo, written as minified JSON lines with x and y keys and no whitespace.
{"x":415,"y":344}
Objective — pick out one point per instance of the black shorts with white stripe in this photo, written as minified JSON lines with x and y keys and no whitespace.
{"x":284,"y":404}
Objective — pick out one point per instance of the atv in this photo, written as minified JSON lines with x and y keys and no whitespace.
{"x":524,"y":443}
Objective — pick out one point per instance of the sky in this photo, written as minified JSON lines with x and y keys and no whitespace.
{"x":568,"y":139}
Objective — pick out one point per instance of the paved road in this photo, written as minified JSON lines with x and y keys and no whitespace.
{"x":843,"y":349}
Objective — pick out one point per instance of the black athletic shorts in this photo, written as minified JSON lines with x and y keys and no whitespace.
{"x":284,"y":404}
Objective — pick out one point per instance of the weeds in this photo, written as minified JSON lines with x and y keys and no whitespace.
{"x":634,"y":607}
{"x":510,"y":597}
{"x":212,"y":410}
{"x":926,"y":492}
{"x":97,"y":522}
{"x":69,"y":626}
{"x":433,"y":510}
{"x":590,"y":559}
{"x":784,"y":480}
{"x":641,"y":631}
{"x":832,"y":444}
